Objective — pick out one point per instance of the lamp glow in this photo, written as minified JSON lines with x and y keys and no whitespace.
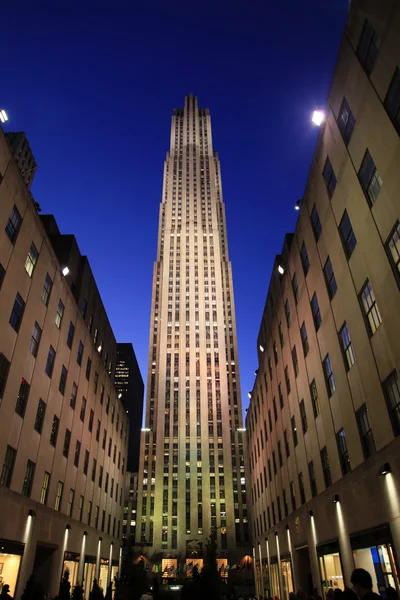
{"x":3,"y":116}
{"x":99,"y":348}
{"x":318,"y":117}
{"x":281,"y":270}
{"x":261,"y":348}
{"x":249,"y":394}
{"x":385,"y":469}
{"x":65,"y":271}
{"x":119,"y":395}
{"x":297,"y":206}
{"x":336,"y":499}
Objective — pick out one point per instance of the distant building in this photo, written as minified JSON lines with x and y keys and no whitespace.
{"x":323,"y":424}
{"x":129,"y":385}
{"x":23,"y":155}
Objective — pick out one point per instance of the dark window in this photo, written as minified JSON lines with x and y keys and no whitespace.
{"x":280,"y":458}
{"x":83,"y":409}
{"x":86,"y":462}
{"x":343,"y":452}
{"x":40,"y":414}
{"x":316,"y":312}
{"x":281,"y":338}
{"x":108,"y":405}
{"x":48,"y":284}
{"x":326,"y":469}
{"x":293,"y":495}
{"x":109,"y":446}
{"x":88,"y":368}
{"x":71,"y":333}
{"x":31,"y":260}
{"x":74,"y":393}
{"x":2,"y":274}
{"x":50,"y":361}
{"x":22,"y":398}
{"x":286,"y":441}
{"x":28,"y":479}
{"x":4,"y":368}
{"x":368,"y":47}
{"x":77,"y":453}
{"x":80,"y":508}
{"x":316,"y":223}
{"x":392,"y":100}
{"x":347,"y":348}
{"x":330,"y":278}
{"x":91,"y":417}
{"x":294,"y":431}
{"x":313,"y":481}
{"x":59,"y":314}
{"x":94,"y":466}
{"x":270,"y":368}
{"x":295,"y":288}
{"x":63,"y":380}
{"x":101,"y":477}
{"x":275,"y":349}
{"x":84,"y":308}
{"x":304,"y":259}
{"x":80,"y":353}
{"x":365,"y":431}
{"x":329,"y":177}
{"x":328,"y":373}
{"x":35,"y":339}
{"x":98,"y":430}
{"x":370,"y":308}
{"x":287,"y":313}
{"x":349,"y":240}
{"x":304,"y":339}
{"x":275,"y":411}
{"x":280,"y":396}
{"x":14,"y":224}
{"x":54,"y":431}
{"x":369,"y":177}
{"x":314,"y":398}
{"x":301,"y":486}
{"x":95,"y":381}
{"x":346,"y":121}
{"x":8,"y":466}
{"x":104,"y":439}
{"x":287,"y":380}
{"x":391,"y":388}
{"x":106,"y":483}
{"x":393,"y":249}
{"x":295,"y":361}
{"x":303,"y":416}
{"x":17,"y":313}
{"x":101,"y":394}
{"x":67,"y":441}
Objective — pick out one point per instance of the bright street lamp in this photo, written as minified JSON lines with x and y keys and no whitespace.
{"x":3,"y":116}
{"x":318,"y":117}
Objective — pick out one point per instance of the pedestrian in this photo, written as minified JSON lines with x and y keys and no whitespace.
{"x":301,"y":594}
{"x":329,"y":594}
{"x":4,"y":593}
{"x":362,"y":585}
{"x":293,"y":596}
{"x":316,"y":594}
{"x":349,"y":594}
{"x":337,"y":594}
{"x":391,"y":593}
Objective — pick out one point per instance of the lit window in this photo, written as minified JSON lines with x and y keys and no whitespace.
{"x":346,"y":121}
{"x":60,"y":313}
{"x":31,"y":260}
{"x":370,"y":308}
{"x":329,"y":177}
{"x":368,"y":47}
{"x":347,"y":348}
{"x":314,"y":398}
{"x":369,"y":178}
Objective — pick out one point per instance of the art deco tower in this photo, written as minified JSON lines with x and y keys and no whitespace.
{"x":192,"y":449}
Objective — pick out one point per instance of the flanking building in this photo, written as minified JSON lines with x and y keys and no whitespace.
{"x":324,"y":418}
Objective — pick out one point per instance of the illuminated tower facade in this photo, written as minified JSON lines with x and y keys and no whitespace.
{"x":192,"y":447}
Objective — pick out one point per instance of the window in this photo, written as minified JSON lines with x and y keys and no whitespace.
{"x":293,"y":495}
{"x":370,"y":180}
{"x":365,"y":431}
{"x":88,"y":368}
{"x":77,"y":453}
{"x":86,"y":462}
{"x":71,"y":333}
{"x":295,"y":288}
{"x":316,"y":223}
{"x":106,"y":483}
{"x":326,"y":469}
{"x":286,"y":441}
{"x":280,"y":396}
{"x":368,"y":47}
{"x":22,"y":398}
{"x":274,"y":409}
{"x":45,"y":488}
{"x":281,"y":338}
{"x":91,"y":418}
{"x":314,"y":398}
{"x":347,"y":348}
{"x":328,"y":373}
{"x":4,"y":368}
{"x":98,"y":430}
{"x":80,"y":507}
{"x":80,"y":353}
{"x":28,"y":479}
{"x":329,"y":177}
{"x":343,"y":452}
{"x":391,"y":389}
{"x":104,"y":439}
{"x":330,"y":278}
{"x":54,"y":431}
{"x":303,"y":416}
{"x":294,"y":431}
{"x":70,"y":505}
{"x":67,"y":441}
{"x":40,"y":414}
{"x":74,"y":393}
{"x":313,"y":480}
{"x":17,"y":313}
{"x":275,"y":349}
{"x":100,"y":476}
{"x":35,"y":340}
{"x":83,"y":409}
{"x":50,"y":361}
{"x":31,"y":260}
{"x":59,"y":493}
{"x":304,"y":259}
{"x":287,"y":313}
{"x":94,"y":466}
{"x":48,"y":284}
{"x":349,"y":240}
{"x":14,"y":224}
{"x":2,"y":274}
{"x":60,"y":313}
{"x":8,"y":466}
{"x":287,"y":380}
{"x":370,"y":308}
{"x":304,"y":338}
{"x":96,"y":517}
{"x":301,"y":486}
{"x":63,"y":380}
{"x":392,"y":100}
{"x":295,"y":361}
{"x":346,"y":121}
{"x":84,"y":308}
{"x":316,"y":312}
{"x":393,"y":249}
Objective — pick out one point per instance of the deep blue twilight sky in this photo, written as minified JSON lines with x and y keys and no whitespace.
{"x":94,"y":88}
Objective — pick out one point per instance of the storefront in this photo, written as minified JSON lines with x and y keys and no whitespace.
{"x":274,"y":578}
{"x":10,"y":561}
{"x":71,"y":563}
{"x":103,"y":575}
{"x":287,"y":576}
{"x":88,"y":575}
{"x":330,"y":567}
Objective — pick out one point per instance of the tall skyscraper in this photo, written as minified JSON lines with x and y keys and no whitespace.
{"x":192,"y":451}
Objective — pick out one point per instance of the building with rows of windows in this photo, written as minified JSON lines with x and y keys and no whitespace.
{"x":324,"y":419}
{"x":63,"y":430}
